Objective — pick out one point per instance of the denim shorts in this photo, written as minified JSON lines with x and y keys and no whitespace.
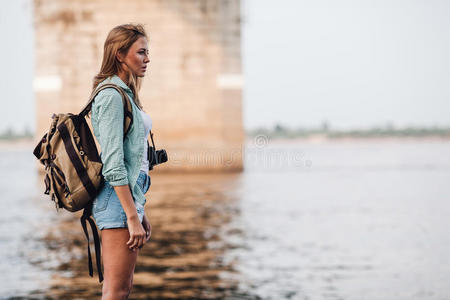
{"x":107,"y":210}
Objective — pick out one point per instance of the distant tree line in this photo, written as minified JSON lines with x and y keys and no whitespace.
{"x":388,"y":130}
{"x":281,"y":131}
{"x":10,"y":134}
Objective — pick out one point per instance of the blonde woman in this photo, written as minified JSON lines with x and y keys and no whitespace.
{"x":119,"y":207}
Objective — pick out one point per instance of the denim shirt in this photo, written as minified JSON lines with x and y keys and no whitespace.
{"x":121,"y":158}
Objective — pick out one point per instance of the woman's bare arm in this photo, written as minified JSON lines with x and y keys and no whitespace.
{"x":137,"y":232}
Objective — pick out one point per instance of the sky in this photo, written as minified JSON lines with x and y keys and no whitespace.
{"x":16,"y":78}
{"x":352,"y":63}
{"x":355,"y":64}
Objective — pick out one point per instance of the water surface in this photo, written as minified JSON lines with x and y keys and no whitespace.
{"x":334,"y":220}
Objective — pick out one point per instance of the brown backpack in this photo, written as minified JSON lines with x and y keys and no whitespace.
{"x":73,"y":166}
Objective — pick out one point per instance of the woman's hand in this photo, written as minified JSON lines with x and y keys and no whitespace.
{"x":137,"y":233}
{"x":147,"y":227}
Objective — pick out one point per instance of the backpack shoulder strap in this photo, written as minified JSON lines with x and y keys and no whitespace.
{"x":127,"y":107}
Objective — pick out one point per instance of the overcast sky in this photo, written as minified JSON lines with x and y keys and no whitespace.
{"x":354,"y":63}
{"x":16,"y":76}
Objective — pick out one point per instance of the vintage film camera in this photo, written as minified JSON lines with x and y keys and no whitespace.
{"x":155,"y":157}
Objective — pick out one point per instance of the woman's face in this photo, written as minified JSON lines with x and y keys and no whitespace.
{"x":137,"y":59}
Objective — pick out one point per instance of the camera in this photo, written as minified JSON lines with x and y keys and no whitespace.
{"x":155,"y":157}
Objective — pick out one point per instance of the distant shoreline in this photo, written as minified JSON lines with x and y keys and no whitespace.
{"x":29,"y":144}
{"x":317,"y":139}
{"x":17,"y":144}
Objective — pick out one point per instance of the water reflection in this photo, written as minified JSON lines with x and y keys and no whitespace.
{"x":184,"y":259}
{"x":23,"y":263}
{"x":362,"y":219}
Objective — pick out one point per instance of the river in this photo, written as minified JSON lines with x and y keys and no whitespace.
{"x":328,"y":220}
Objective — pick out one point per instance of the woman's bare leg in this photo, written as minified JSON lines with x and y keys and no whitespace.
{"x":118,"y":264}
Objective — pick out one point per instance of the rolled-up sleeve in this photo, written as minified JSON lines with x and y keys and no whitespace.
{"x":107,"y":110}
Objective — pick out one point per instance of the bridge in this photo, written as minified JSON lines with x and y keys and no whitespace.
{"x":193,"y":86}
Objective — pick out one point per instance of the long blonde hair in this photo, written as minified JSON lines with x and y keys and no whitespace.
{"x":120,"y":39}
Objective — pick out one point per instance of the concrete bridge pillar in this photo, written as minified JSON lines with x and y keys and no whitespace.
{"x":193,"y":86}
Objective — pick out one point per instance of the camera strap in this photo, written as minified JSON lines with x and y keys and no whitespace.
{"x":153,"y":143}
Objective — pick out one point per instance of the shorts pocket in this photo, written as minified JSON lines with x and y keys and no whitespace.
{"x":101,"y":202}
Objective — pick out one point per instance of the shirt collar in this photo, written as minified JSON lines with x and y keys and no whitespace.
{"x":117,"y":81}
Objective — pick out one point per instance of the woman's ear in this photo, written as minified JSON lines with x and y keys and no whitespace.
{"x":119,"y":57}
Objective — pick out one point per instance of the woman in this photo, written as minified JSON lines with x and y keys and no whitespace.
{"x":118,"y":209}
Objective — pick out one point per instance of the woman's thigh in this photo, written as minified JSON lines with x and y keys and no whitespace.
{"x":118,"y":260}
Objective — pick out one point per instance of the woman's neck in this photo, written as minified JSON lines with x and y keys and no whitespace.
{"x":123,"y":76}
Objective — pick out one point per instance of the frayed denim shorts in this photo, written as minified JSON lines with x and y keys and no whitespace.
{"x":107,"y":210}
